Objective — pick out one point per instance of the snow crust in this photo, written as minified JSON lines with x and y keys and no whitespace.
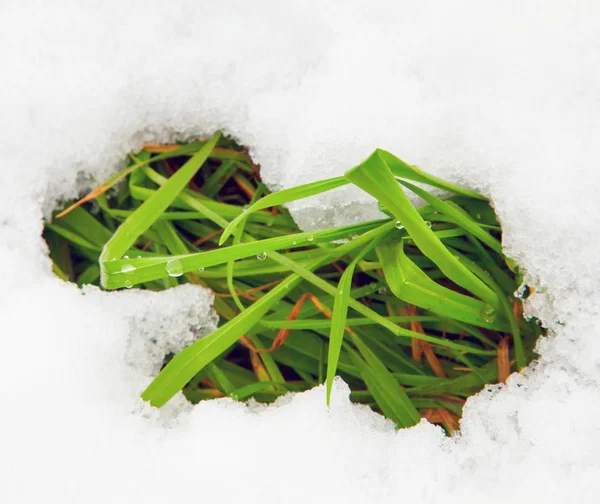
{"x":502,"y":97}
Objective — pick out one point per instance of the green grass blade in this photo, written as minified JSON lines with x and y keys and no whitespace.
{"x":339,"y":314}
{"x":413,"y":286}
{"x":220,"y":378}
{"x":392,"y":397}
{"x":285,"y":196}
{"x":243,"y":393}
{"x":156,"y":268}
{"x":84,"y":224}
{"x":461,"y":217}
{"x":350,"y":322}
{"x":195,"y":357}
{"x":338,"y":326}
{"x":73,"y":237}
{"x":89,"y":276}
{"x":374,"y":177}
{"x":216,"y":181}
{"x":367,"y":312}
{"x":401,"y":169}
{"x":149,"y":211}
{"x":506,"y":309}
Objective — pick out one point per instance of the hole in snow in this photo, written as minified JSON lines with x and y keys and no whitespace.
{"x":456,"y":343}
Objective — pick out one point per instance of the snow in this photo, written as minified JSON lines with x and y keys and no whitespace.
{"x":499,"y":96}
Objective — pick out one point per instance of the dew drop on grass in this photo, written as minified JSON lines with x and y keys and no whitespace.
{"x":125,"y":257}
{"x":294,"y":242}
{"x":138,"y":257}
{"x":174,"y":268}
{"x":200,"y":270}
{"x":128,"y":284}
{"x":262,"y":256}
{"x":353,"y":236}
{"x":398,"y":225}
{"x":128,"y":269}
{"x":428,"y":223}
{"x":311,"y":238}
{"x":488,"y":314}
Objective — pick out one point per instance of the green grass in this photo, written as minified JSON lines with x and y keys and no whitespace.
{"x":414,"y":311}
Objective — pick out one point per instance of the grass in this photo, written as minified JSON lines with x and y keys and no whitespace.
{"x":414,"y":311}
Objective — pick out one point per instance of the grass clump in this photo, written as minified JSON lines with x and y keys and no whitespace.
{"x":415,"y":311}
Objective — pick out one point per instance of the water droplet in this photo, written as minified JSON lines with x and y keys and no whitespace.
{"x":128,"y":269}
{"x":353,"y":236}
{"x":128,"y":284}
{"x":200,"y":270}
{"x":478,"y":216}
{"x":262,"y":256}
{"x":294,"y":242}
{"x":340,"y":291}
{"x":488,"y":314}
{"x":138,"y":257}
{"x":399,"y":225}
{"x":428,"y":224}
{"x":125,"y":257}
{"x":382,"y":291}
{"x":174,"y":268}
{"x":311,"y":238}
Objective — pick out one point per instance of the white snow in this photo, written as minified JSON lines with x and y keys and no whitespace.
{"x":499,"y":96}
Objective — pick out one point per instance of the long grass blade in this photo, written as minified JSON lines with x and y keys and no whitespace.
{"x":285,"y":196}
{"x":374,"y":177}
{"x":148,"y":212}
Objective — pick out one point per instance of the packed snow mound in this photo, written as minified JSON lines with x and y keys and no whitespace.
{"x":501,"y":97}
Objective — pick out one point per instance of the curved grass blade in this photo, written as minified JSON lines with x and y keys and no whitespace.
{"x":367,"y":312}
{"x":403,"y":170}
{"x":285,"y":196}
{"x":413,"y":286}
{"x":459,"y":216}
{"x":184,"y":366}
{"x":374,"y":177}
{"x":506,"y":308}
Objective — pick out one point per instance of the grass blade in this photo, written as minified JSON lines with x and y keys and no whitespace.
{"x":459,"y":216}
{"x":144,"y":216}
{"x":401,"y":169}
{"x":374,"y":177}
{"x":391,"y":398}
{"x":413,"y":286}
{"x":339,"y":314}
{"x":285,"y":196}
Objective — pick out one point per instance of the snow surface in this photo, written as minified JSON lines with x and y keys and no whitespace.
{"x":502,"y":97}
